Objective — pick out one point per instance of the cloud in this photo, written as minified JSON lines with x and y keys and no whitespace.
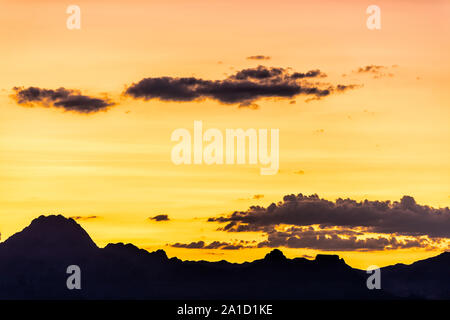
{"x":403,"y":218}
{"x":258,"y":57}
{"x":300,"y":172}
{"x":160,"y":217}
{"x":66,"y":99}
{"x":84,"y":217}
{"x":212,"y":245}
{"x":339,"y":240}
{"x":371,"y":68}
{"x":311,"y":222}
{"x":309,"y":74}
{"x":375,"y":70}
{"x":342,"y":87}
{"x":244,"y":87}
{"x":258,"y":196}
{"x":192,"y":245}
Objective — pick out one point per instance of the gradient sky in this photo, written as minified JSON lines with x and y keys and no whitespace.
{"x":383,"y":140}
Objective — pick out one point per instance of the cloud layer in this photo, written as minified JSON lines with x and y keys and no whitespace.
{"x":212,"y":245}
{"x":339,"y":240}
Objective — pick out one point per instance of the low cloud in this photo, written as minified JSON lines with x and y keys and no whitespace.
{"x":243,"y":88}
{"x":339,"y":240}
{"x":66,"y":99}
{"x":212,"y":245}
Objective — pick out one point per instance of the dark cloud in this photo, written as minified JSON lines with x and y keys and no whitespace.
{"x":258,"y":73}
{"x":258,"y":57}
{"x":192,"y":245}
{"x":311,"y":222}
{"x":402,"y":218}
{"x":69,"y":100}
{"x":84,"y":217}
{"x":212,"y":245}
{"x":160,"y":217}
{"x":243,"y":88}
{"x":309,"y":74}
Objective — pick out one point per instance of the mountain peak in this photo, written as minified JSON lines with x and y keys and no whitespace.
{"x":329,"y":259}
{"x":275,"y":255}
{"x":54,"y":232}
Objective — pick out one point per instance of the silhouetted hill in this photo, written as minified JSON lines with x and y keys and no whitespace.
{"x":429,"y":279}
{"x":50,"y":235}
{"x":33,"y":265}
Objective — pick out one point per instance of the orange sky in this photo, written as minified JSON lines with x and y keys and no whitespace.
{"x":386,"y":139}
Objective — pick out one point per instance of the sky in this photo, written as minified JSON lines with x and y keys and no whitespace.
{"x":362,"y":115}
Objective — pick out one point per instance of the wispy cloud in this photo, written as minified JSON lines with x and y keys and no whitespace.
{"x":258,"y":57}
{"x":84,"y":217}
{"x":377,"y":71}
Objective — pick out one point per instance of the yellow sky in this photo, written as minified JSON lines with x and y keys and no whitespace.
{"x":384,"y":140}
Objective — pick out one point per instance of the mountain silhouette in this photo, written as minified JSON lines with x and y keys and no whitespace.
{"x":33,"y":265}
{"x":50,"y":235}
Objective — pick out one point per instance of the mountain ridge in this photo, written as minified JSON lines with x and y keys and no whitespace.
{"x":33,"y":265}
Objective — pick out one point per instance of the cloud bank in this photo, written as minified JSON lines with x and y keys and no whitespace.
{"x":311,"y":222}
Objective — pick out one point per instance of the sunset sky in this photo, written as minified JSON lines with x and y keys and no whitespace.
{"x":385,"y":136}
